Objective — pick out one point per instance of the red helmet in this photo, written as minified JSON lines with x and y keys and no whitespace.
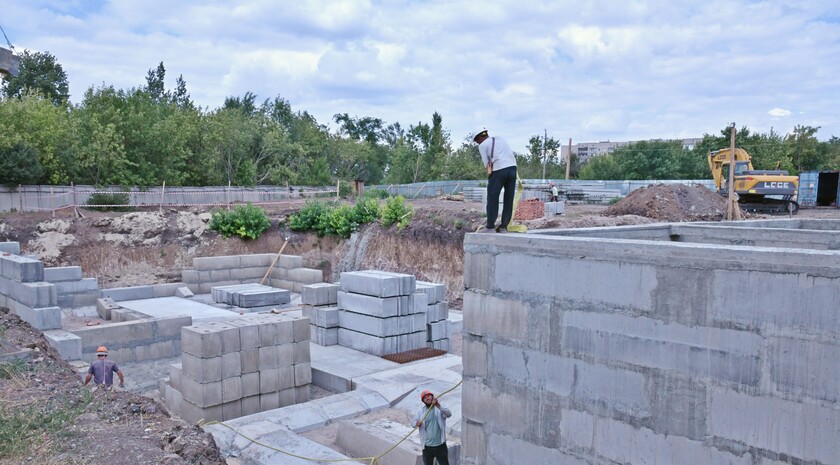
{"x":424,"y":393}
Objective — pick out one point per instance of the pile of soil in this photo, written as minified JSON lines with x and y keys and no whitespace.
{"x":671,"y":203}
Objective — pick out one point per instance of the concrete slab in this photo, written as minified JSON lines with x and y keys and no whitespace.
{"x":171,"y":306}
{"x":335,"y":367}
{"x":361,"y":439}
{"x":279,"y":438}
{"x":396,"y":383}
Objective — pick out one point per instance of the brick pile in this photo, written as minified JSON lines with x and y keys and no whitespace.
{"x":529,"y":209}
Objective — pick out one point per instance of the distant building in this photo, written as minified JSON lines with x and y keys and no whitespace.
{"x":587,"y":150}
{"x":9,"y":63}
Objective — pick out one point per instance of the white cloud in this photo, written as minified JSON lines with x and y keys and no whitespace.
{"x":779,"y":112}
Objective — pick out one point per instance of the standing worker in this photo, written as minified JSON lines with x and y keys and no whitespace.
{"x":554,"y":193}
{"x":500,"y":162}
{"x":102,"y":370}
{"x":432,"y":429}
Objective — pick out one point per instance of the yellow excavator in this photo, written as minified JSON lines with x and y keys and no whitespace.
{"x":765,"y":191}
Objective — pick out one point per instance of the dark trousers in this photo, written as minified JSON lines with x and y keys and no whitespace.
{"x":504,"y":178}
{"x":441,"y":453}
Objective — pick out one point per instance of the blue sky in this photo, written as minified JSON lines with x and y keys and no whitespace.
{"x":590,"y":71}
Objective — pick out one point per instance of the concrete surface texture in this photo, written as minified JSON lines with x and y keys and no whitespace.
{"x":170,"y":306}
{"x":586,"y":348}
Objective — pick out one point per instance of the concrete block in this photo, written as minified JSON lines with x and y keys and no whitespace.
{"x":201,"y":341}
{"x":438,"y":330}
{"x":370,"y":284}
{"x":801,"y":367}
{"x":250,"y":384}
{"x":201,"y":370}
{"x":230,"y":339}
{"x":170,"y":327}
{"x":285,"y":377}
{"x":554,"y":209}
{"x":376,"y":306}
{"x":381,"y":345}
{"x":249,"y":360}
{"x":300,"y":329}
{"x":21,"y":269}
{"x":303,"y":394}
{"x":286,"y":354}
{"x":434,"y":291}
{"x":68,"y":345}
{"x":231,"y":365}
{"x":184,"y":292}
{"x":382,"y":327}
{"x":155,"y":351}
{"x":189,"y":276}
{"x":274,"y":331}
{"x":474,"y":351}
{"x":257,"y":297}
{"x":287,"y":397}
{"x":231,"y":389}
{"x":306,"y":275}
{"x":249,"y":274}
{"x":175,"y":370}
{"x":268,"y":358}
{"x":289,"y":261}
{"x":269,"y":380}
{"x":269,"y":401}
{"x":172,"y":398}
{"x":303,"y":374}
{"x":325,"y":317}
{"x":123,"y":315}
{"x":251,"y":405}
{"x":257,"y":260}
{"x":249,"y":333}
{"x":35,"y":294}
{"x":201,"y":394}
{"x":231,"y":410}
{"x":10,"y":247}
{"x":40,"y":318}
{"x":166,"y":289}
{"x":510,"y":319}
{"x":319,"y":294}
{"x":440,"y":344}
{"x":437,"y":312}
{"x":81,"y":286}
{"x":216,"y":263}
{"x":192,"y":413}
{"x":63,"y":273}
{"x":302,"y":353}
{"x":129,"y":293}
{"x":323,"y":336}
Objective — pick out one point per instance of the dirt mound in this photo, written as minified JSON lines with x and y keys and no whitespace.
{"x":671,"y":203}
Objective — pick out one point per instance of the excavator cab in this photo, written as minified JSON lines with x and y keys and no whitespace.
{"x":767,"y":191}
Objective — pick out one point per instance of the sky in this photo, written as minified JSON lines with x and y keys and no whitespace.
{"x":586,"y":70}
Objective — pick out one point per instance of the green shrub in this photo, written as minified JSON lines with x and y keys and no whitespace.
{"x":333,"y":220}
{"x":615,"y":200}
{"x":376,"y":194}
{"x":308,"y":217}
{"x":339,"y":222}
{"x":366,"y":211}
{"x":397,"y":212}
{"x":246,"y":221}
{"x":344,"y":189}
{"x":109,"y":198}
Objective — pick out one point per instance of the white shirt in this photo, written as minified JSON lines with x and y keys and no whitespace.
{"x":502,"y":154}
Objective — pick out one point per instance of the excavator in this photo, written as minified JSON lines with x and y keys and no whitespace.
{"x":765,"y":191}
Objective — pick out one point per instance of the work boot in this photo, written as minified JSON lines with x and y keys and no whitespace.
{"x":501,"y":229}
{"x":486,"y":230}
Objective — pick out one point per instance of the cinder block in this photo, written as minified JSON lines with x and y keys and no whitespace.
{"x":379,"y":307}
{"x":230,"y":339}
{"x":251,"y":405}
{"x":63,"y":273}
{"x":166,"y":289}
{"x":374,"y":284}
{"x":201,"y":394}
{"x":286,"y":377}
{"x":68,"y":345}
{"x":268,"y":358}
{"x":440,"y":344}
{"x":202,"y":370}
{"x":184,"y":292}
{"x":437,"y":312}
{"x":249,"y":360}
{"x":302,"y":394}
{"x":21,"y":269}
{"x":434,"y":291}
{"x":286,"y":354}
{"x":274,"y":331}
{"x":249,"y":333}
{"x":319,"y":294}
{"x":170,"y":327}
{"x":325,"y":317}
{"x":287,"y":397}
{"x":248,"y":274}
{"x":231,"y":410}
{"x":269,"y":401}
{"x":438,"y":330}
{"x":382,"y":327}
{"x":35,"y":294}
{"x":129,"y":293}
{"x":192,"y":413}
{"x":231,"y":365}
{"x":250,"y":383}
{"x":300,"y":329}
{"x":172,"y":399}
{"x":408,"y":283}
{"x":216,"y":263}
{"x":190,"y":276}
{"x":269,"y":380}
{"x":122,"y":315}
{"x":201,"y":341}
{"x":381,"y":345}
{"x":257,"y":260}
{"x":231,"y":389}
{"x":259,"y":297}
{"x":289,"y":261}
{"x":303,"y":374}
{"x":306,"y":275}
{"x":302,"y":353}
{"x":10,"y":247}
{"x":175,"y":370}
{"x":40,"y":318}
{"x":155,"y":351}
{"x":323,"y":336}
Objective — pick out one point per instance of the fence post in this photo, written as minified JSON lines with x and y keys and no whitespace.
{"x":52,"y":202}
{"x":162,"y":190}
{"x":227,"y":196}
{"x":337,"y":189}
{"x":20,"y":197}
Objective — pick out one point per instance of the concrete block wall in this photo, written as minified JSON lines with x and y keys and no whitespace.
{"x":588,"y":350}
{"x":380,"y":313}
{"x":72,"y":288}
{"x":319,"y":305}
{"x":288,"y":273}
{"x":134,"y":341}
{"x":24,"y":291}
{"x":240,"y":367}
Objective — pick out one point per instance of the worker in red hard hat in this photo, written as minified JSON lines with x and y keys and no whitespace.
{"x":432,"y":428}
{"x":102,"y":370}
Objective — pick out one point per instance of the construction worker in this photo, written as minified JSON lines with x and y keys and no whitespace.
{"x":102,"y":370}
{"x":554,"y":193}
{"x":498,"y":158}
{"x":432,"y":429}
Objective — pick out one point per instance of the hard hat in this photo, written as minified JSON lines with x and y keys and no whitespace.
{"x":477,"y":132}
{"x":102,"y":350}
{"x":425,"y":393}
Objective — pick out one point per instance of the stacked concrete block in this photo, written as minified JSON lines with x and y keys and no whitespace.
{"x":250,"y":295}
{"x":134,"y":341}
{"x":240,"y":367}
{"x":288,"y":272}
{"x":105,"y":306}
{"x":438,"y":328}
{"x":72,"y":289}
{"x":24,"y":291}
{"x":379,"y":312}
{"x":319,"y":305}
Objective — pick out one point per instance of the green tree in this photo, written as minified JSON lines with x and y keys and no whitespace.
{"x":803,"y":148}
{"x":19,"y":165}
{"x":40,"y":73}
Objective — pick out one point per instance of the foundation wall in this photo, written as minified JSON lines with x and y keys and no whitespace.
{"x":134,"y":341}
{"x":581,"y":351}
{"x":288,"y":272}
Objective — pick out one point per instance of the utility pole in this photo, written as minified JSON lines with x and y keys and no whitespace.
{"x":545,"y":160}
{"x":733,"y":211}
{"x":569,"y":159}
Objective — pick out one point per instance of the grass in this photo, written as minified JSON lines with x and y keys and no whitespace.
{"x":10,"y":370}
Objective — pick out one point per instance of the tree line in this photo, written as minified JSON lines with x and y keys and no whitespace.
{"x":150,"y":134}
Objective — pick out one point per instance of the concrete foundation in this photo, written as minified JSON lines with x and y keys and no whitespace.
{"x":701,"y":343}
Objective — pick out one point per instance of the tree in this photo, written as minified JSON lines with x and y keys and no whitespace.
{"x":155,"y":82}
{"x":803,"y":148}
{"x":40,"y":73}
{"x":19,"y":165}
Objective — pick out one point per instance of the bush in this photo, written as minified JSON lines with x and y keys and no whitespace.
{"x":345,"y":189}
{"x":109,"y":198}
{"x":19,"y":165}
{"x":245,"y":221}
{"x":308,"y":217}
{"x":329,"y":219}
{"x":366,"y":211}
{"x":397,"y":212}
{"x":376,"y":194}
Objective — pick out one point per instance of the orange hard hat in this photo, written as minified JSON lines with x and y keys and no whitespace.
{"x":425,"y":393}
{"x":102,"y":350}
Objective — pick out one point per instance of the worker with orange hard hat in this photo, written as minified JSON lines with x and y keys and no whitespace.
{"x":432,"y":428}
{"x":102,"y":370}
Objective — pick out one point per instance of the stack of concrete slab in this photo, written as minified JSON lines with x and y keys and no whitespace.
{"x":250,"y":295}
{"x":240,"y":367}
{"x":319,"y":305}
{"x":438,"y":330}
{"x":24,"y":291}
{"x":379,"y":312}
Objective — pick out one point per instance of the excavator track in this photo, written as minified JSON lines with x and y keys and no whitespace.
{"x":772,"y":207}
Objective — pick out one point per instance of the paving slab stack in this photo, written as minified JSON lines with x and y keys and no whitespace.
{"x":250,"y":295}
{"x":240,"y":367}
{"x":380,"y":313}
{"x":320,"y":306}
{"x":438,"y":329}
